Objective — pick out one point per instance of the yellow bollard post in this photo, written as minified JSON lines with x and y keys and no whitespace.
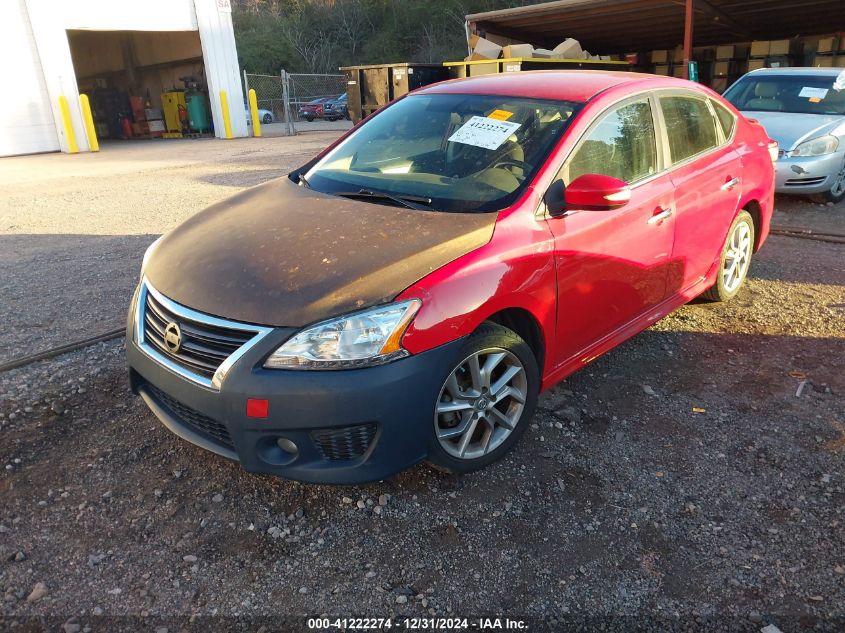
{"x":68,"y":123}
{"x":253,"y":111}
{"x":90,"y":130}
{"x":224,"y":105}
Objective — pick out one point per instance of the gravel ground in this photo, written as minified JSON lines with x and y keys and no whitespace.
{"x":73,"y":229}
{"x":690,"y":479}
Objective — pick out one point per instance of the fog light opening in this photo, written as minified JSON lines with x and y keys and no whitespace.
{"x":276,"y":450}
{"x":287,"y":446}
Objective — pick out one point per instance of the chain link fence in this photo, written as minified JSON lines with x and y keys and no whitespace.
{"x":295,"y":101}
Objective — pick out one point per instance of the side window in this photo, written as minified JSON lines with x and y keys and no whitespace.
{"x":689,"y":125}
{"x":621,"y":145}
{"x":726,"y":119}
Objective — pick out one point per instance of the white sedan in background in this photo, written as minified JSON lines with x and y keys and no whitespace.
{"x":803,"y":109}
{"x":264,"y":115}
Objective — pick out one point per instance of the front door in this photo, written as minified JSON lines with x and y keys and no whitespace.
{"x":612,"y":265}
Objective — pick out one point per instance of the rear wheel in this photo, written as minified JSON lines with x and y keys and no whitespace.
{"x":486,"y":401}
{"x":267,"y":119}
{"x":309,"y":118}
{"x":735,"y":259}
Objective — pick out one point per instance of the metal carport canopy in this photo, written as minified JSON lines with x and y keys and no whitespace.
{"x":620,"y":26}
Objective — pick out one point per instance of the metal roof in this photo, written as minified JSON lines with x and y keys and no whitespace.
{"x":618,"y":26}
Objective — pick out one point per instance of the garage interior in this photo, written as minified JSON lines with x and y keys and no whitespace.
{"x":143,"y":84}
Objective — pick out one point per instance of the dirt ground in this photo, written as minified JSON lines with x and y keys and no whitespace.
{"x":690,"y":479}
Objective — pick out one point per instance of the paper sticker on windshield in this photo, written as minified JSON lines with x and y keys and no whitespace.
{"x":500,"y":115}
{"x":839,"y":84}
{"x":818,"y":93}
{"x":485,"y":132}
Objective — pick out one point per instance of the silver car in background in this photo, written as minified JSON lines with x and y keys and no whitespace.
{"x":803,"y":109}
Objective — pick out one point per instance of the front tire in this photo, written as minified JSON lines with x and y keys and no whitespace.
{"x":735,"y":259}
{"x":486,"y":401}
{"x":267,"y":119}
{"x":836,"y":193}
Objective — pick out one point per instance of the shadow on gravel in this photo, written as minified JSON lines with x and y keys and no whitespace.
{"x":242,"y":179}
{"x":59,"y":288}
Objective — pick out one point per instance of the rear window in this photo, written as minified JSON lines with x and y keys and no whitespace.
{"x":689,"y":125}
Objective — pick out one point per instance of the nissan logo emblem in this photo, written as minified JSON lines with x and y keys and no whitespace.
{"x":173,"y":337}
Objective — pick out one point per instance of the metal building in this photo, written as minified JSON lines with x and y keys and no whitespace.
{"x":50,"y":50}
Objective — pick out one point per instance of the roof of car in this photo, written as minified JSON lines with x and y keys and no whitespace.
{"x":799,"y":70}
{"x":565,"y":85}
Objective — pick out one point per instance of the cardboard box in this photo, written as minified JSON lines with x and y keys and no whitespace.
{"x":755,"y":64}
{"x":484,"y":48}
{"x":839,"y":62}
{"x":678,"y":54}
{"x":569,"y":48}
{"x":725,"y":52}
{"x":823,"y":61}
{"x":517,"y":50}
{"x":779,"y":47}
{"x":678,"y":71}
{"x":721,"y":69}
{"x":662,"y":69}
{"x":659,"y":57}
{"x":760,"y":48}
{"x":826,"y":45}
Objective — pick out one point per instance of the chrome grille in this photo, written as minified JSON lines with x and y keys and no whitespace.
{"x":345,"y":443}
{"x":208,"y":345}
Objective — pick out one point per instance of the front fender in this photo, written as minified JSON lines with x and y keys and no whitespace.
{"x":514,"y":270}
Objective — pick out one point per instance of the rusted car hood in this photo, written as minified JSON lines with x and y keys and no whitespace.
{"x":281,"y":254}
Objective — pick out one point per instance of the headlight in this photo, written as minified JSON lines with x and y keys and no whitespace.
{"x":371,"y":337}
{"x":147,"y":254}
{"x":817,"y":146}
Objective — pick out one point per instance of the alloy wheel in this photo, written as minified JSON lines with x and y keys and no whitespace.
{"x":737,"y":257}
{"x":838,"y":187}
{"x":481,"y":403}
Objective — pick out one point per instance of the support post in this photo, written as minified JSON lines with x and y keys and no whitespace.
{"x":88,"y":119}
{"x":688,"y":23}
{"x":253,"y":112}
{"x":291,"y":131}
{"x":64,"y":108}
{"x":227,"y":121}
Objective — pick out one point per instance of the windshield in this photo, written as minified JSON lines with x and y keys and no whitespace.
{"x":465,"y":153}
{"x":801,"y":94}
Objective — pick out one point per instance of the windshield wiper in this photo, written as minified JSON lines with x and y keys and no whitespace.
{"x":302,"y":180}
{"x":420,"y":203}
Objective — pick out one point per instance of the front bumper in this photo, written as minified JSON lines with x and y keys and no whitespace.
{"x":807,"y":175}
{"x":348,"y":426}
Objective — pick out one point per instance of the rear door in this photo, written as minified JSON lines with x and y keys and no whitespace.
{"x":612,"y":265}
{"x":706,"y":173}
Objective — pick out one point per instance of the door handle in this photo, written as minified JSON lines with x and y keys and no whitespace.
{"x":733,"y":182}
{"x":660,"y":215}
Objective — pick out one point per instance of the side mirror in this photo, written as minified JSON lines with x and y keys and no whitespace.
{"x":596,"y":192}
{"x":555,"y":199}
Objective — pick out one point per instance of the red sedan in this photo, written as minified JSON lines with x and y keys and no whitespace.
{"x":408,"y":293}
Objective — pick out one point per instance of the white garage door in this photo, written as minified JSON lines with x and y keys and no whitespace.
{"x":26,"y":120}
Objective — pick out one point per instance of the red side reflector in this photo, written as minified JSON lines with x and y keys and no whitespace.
{"x":257,"y":408}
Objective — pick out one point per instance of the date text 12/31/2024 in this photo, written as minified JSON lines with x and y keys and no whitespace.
{"x":417,"y":624}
